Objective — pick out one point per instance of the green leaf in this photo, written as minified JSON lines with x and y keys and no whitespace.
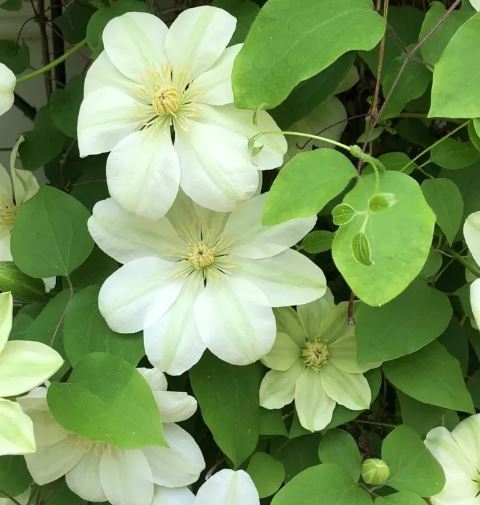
{"x":245,"y":11}
{"x":402,"y":498}
{"x":272,"y":423}
{"x":318,"y":241}
{"x":85,"y":331}
{"x":397,"y":161}
{"x":74,"y":20}
{"x":339,"y":448}
{"x":329,"y":482}
{"x":400,"y":238}
{"x":473,"y":135}
{"x":393,"y":330}
{"x":412,"y":466}
{"x":266,"y":472}
{"x":14,"y":55}
{"x":97,"y":267}
{"x":453,"y":154}
{"x":431,"y":375}
{"x":456,"y":76}
{"x":296,"y":454}
{"x":43,"y":143}
{"x":50,"y":236}
{"x":58,"y":493}
{"x":65,"y":105}
{"x":11,"y":5}
{"x":381,"y":202}
{"x":271,"y":64}
{"x":446,"y":201}
{"x":306,"y":184}
{"x":223,"y":392}
{"x":342,"y":213}
{"x":14,"y":475}
{"x":21,"y":286}
{"x":107,"y":400}
{"x":91,"y":186}
{"x":99,"y":20}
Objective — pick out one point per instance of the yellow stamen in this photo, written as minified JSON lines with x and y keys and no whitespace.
{"x":166,"y":100}
{"x":201,"y":255}
{"x":315,"y":354}
{"x":7,"y":216}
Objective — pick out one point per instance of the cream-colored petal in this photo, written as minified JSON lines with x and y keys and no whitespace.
{"x":278,"y":388}
{"x":312,"y":314}
{"x":6,"y":308}
{"x":7,"y":85}
{"x":16,"y":430}
{"x":283,"y":353}
{"x":84,"y":478}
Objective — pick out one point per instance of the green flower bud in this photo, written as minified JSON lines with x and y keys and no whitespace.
{"x":375,"y":471}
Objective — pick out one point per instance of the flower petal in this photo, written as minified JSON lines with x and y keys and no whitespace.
{"x":179,"y":464}
{"x":312,"y":314}
{"x":173,"y":343}
{"x":228,"y":487}
{"x":176,"y":496}
{"x":288,"y":322}
{"x":289,"y":278}
{"x":135,"y":44}
{"x":103,"y":74}
{"x":25,"y":365}
{"x":175,"y":406}
{"x":283,"y":354}
{"x":343,"y":353}
{"x":197,"y":38}
{"x":253,"y":240}
{"x":314,"y":407}
{"x":278,"y":388}
{"x":126,"y":477}
{"x":16,"y":430}
{"x":6,"y":314}
{"x":139,"y":293}
{"x":475,"y":300}
{"x":467,"y":436}
{"x":235,"y":320}
{"x":214,"y":87}
{"x":471,"y":232}
{"x":155,"y":378}
{"x":126,"y":237}
{"x":143,"y":173}
{"x":7,"y":85}
{"x":5,"y":254}
{"x":84,"y":478}
{"x":348,"y":389}
{"x":106,"y":116}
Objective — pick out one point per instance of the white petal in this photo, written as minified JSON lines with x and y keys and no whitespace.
{"x":283,"y":354}
{"x":6,"y":308}
{"x":235,"y":320}
{"x":288,"y":322}
{"x":7,"y":85}
{"x":49,"y":283}
{"x":173,"y":344}
{"x":312,"y":314}
{"x":126,"y":477}
{"x":103,"y":74}
{"x":175,"y":406}
{"x":197,"y":38}
{"x":215,"y":85}
{"x":139,"y":293}
{"x":314,"y":407}
{"x":228,"y":487}
{"x":343,"y":353}
{"x":176,"y":496}
{"x":289,"y":278}
{"x":467,"y":436}
{"x":348,"y":389}
{"x":179,"y":464}
{"x":5,"y":254}
{"x":106,"y":116}
{"x":471,"y":232}
{"x":253,"y":240}
{"x":278,"y":388}
{"x":84,"y":478}
{"x":51,"y":462}
{"x":25,"y":365}
{"x":475,"y":4}
{"x":126,"y":237}
{"x":155,"y":378}
{"x":16,"y":430}
{"x":46,"y":428}
{"x":143,"y":172}
{"x":25,"y":185}
{"x":475,"y":300}
{"x":134,"y":43}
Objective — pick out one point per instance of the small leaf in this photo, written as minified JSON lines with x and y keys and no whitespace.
{"x":14,"y":476}
{"x":266,"y":472}
{"x":342,"y":214}
{"x":245,"y":11}
{"x":15,"y":56}
{"x":339,"y":448}
{"x":318,"y":241}
{"x":361,"y":249}
{"x":381,"y":202}
{"x":453,"y":154}
{"x":402,"y":498}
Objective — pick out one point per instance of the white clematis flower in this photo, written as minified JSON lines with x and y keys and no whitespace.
{"x":471,"y":232}
{"x":23,"y":366}
{"x":7,"y":85}
{"x":98,"y":472}
{"x":227,"y":487}
{"x":459,"y":454}
{"x":198,"y":279}
{"x":150,"y":82}
{"x":314,"y":361}
{"x":475,"y":4}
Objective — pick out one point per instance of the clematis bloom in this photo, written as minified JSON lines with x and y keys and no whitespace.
{"x":152,"y":82}
{"x":199,"y":278}
{"x":7,"y":85}
{"x":23,"y":366}
{"x":471,"y":232}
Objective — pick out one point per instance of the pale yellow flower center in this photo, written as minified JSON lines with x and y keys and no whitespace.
{"x":7,"y":216}
{"x":99,"y":448}
{"x":315,"y":354}
{"x":166,"y":100}
{"x":201,"y":255}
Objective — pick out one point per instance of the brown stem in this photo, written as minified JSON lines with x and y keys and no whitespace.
{"x":42,"y":24}
{"x":58,"y":45}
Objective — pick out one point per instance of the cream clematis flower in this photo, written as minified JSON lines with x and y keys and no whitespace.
{"x":199,"y":278}
{"x":7,"y":85}
{"x":471,"y":232}
{"x":314,"y":361}
{"x":98,"y":472}
{"x":458,"y":453}
{"x":227,"y":487}
{"x":151,"y":82}
{"x":23,"y":366}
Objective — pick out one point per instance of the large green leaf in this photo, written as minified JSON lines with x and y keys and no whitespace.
{"x":401,"y":498}
{"x":453,"y":154}
{"x":228,"y":399}
{"x":306,"y":184}
{"x":14,"y":476}
{"x":399,"y":237}
{"x":266,"y":472}
{"x":412,"y":467}
{"x":107,"y":400}
{"x":21,"y":286}
{"x":291,"y":41}
{"x":15,"y":56}
{"x":456,"y":77}
{"x":50,"y":236}
{"x":391,"y":331}
{"x":431,"y":375}
{"x":339,"y":448}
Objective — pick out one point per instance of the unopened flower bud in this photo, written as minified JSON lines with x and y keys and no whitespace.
{"x":375,"y":471}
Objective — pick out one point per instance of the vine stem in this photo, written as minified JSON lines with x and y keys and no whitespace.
{"x":300,"y":134}
{"x":53,"y":63}
{"x":463,"y":261}
{"x":11,"y":498}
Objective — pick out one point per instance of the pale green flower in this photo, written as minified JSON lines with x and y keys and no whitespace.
{"x":314,"y":362}
{"x":7,"y":85}
{"x":23,"y":366}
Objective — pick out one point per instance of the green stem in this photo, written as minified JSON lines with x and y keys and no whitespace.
{"x":53,"y":63}
{"x":11,"y":498}
{"x":375,"y":423}
{"x":461,"y":259}
{"x":299,"y":134}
